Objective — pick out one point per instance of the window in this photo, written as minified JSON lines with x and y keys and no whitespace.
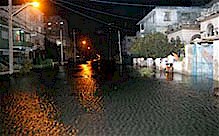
{"x":142,"y":26}
{"x":185,"y":16}
{"x":167,"y":16}
{"x":210,"y":30}
{"x":4,"y":35}
{"x":39,"y":29}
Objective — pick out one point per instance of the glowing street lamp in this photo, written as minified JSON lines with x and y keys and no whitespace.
{"x":84,"y":42}
{"x":35,"y":4}
{"x":10,"y":29}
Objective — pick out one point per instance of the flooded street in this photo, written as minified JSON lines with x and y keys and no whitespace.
{"x":80,"y":101}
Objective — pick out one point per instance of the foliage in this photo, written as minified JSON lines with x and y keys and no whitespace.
{"x":27,"y":66}
{"x":177,"y":44}
{"x":142,"y":72}
{"x":146,"y":72}
{"x":154,"y":45}
{"x":44,"y":63}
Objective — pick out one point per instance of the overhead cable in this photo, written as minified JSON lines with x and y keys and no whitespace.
{"x":79,"y":13}
{"x":90,"y":17}
{"x":122,"y":4}
{"x":101,"y":12}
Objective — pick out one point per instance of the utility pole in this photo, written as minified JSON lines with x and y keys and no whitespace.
{"x":109,"y":46}
{"x":120,"y":50}
{"x":74,"y":46}
{"x":61,"y":46}
{"x":10,"y":37}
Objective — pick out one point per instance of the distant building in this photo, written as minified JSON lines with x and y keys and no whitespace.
{"x":30,"y":20}
{"x":161,"y":17}
{"x":209,"y":21}
{"x":185,"y":32}
{"x":28,"y":32}
{"x":55,"y":28}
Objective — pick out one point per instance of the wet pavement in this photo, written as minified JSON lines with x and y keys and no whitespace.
{"x":87,"y":102}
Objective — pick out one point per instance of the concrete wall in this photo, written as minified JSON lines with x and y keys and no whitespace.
{"x":187,"y":69}
{"x":216,"y":60}
{"x":178,"y":66}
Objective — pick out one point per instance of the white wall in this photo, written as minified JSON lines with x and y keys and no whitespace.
{"x":216,"y":60}
{"x":188,"y":59}
{"x":184,"y":34}
{"x":160,"y":17}
{"x":205,"y":23}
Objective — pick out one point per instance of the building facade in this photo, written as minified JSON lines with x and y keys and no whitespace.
{"x":161,"y":17}
{"x":185,"y":32}
{"x":28,"y":33}
{"x":57,"y":32}
{"x":209,"y":30}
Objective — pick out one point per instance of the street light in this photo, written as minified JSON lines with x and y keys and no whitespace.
{"x":10,"y":29}
{"x":84,"y":42}
{"x":60,"y":41}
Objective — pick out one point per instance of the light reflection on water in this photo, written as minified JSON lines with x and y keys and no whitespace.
{"x":27,"y":114}
{"x":87,"y":88}
{"x":75,"y":103}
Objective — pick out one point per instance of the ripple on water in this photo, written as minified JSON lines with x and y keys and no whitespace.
{"x":27,"y":114}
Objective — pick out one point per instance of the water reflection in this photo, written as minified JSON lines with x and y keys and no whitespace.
{"x":71,"y":102}
{"x":87,"y":89}
{"x":25,"y":113}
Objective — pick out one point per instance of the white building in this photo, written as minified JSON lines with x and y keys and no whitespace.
{"x":186,"y":33}
{"x":30,"y":20}
{"x":161,"y":17}
{"x":209,"y":27}
{"x":209,"y":21}
{"x":56,"y":25}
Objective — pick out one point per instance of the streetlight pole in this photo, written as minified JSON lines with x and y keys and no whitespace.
{"x":61,"y":39}
{"x":10,"y":31}
{"x":110,"y":46}
{"x":74,"y":46}
{"x":10,"y":37}
{"x":120,"y":50}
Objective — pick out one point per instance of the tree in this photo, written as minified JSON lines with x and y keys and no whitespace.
{"x":152,"y":46}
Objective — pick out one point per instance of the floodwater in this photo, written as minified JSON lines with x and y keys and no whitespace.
{"x":82,"y":101}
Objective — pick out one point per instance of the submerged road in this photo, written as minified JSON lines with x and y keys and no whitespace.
{"x":83,"y":101}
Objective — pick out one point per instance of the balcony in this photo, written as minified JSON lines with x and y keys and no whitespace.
{"x":180,"y":26}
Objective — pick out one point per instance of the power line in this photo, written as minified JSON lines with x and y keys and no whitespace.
{"x":77,"y":12}
{"x":90,"y":17}
{"x":122,"y":4}
{"x":101,"y":12}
